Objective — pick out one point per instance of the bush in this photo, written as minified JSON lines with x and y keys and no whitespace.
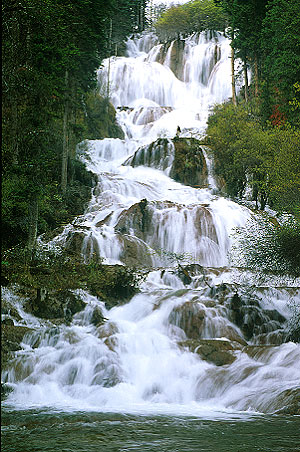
{"x":267,"y":160}
{"x":269,"y":246}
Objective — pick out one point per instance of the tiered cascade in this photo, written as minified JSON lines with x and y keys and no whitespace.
{"x":200,"y":336}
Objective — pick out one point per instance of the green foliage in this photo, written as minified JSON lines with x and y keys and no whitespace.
{"x":272,"y":247}
{"x":194,"y":16}
{"x":245,"y":153}
{"x":55,"y":269}
{"x":245,"y":18}
{"x":128,"y":17}
{"x":100,"y":119}
{"x":266,"y":38}
{"x":51,"y":50}
{"x":281,"y":44}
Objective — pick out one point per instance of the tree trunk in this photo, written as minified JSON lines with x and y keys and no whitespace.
{"x":108,"y":69}
{"x":246,"y":80}
{"x":33,"y":216}
{"x":256,"y":74}
{"x":232,"y":72}
{"x":65,"y":153}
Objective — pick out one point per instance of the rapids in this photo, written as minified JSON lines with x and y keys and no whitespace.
{"x":179,"y":346}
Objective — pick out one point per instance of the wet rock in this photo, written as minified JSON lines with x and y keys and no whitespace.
{"x":108,"y":329}
{"x":102,"y":222}
{"x":190,"y":318}
{"x":54,"y":304}
{"x":11,"y":337}
{"x":259,"y":352}
{"x":230,"y":333}
{"x":158,"y":154}
{"x":194,"y":269}
{"x":8,"y":309}
{"x":220,"y":292}
{"x":5,"y":390}
{"x":205,"y":224}
{"x":184,"y":275}
{"x":74,"y":242}
{"x":254,"y":321}
{"x":136,"y":218}
{"x":276,"y":337}
{"x":97,"y":316}
{"x":289,"y":401}
{"x":189,"y":166}
{"x":107,"y":374}
{"x":135,"y":252}
{"x":146,"y":115}
{"x":176,"y":58}
{"x":218,"y":352}
{"x":108,"y":332}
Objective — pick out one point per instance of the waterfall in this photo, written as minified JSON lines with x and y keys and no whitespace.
{"x":200,"y":336}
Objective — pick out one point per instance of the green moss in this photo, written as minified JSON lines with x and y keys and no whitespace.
{"x":68,"y":272}
{"x":11,"y":336}
{"x":189,"y":165}
{"x":100,"y":120}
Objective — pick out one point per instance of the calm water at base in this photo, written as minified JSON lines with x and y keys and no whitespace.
{"x":32,"y":431}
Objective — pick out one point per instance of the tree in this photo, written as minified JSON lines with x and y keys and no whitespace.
{"x":51,"y":50}
{"x":281,"y":52}
{"x":267,"y":160}
{"x":194,"y":16}
{"x":245,"y":18}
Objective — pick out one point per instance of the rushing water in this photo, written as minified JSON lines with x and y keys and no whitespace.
{"x":137,"y":382}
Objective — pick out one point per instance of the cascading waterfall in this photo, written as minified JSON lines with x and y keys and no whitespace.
{"x":195,"y":340}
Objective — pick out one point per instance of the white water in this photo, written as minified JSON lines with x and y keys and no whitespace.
{"x":133,"y":363}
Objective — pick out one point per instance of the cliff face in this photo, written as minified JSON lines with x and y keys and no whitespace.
{"x":183,"y":156}
{"x":100,"y":119}
{"x":189,"y":166}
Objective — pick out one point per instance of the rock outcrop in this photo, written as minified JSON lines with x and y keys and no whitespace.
{"x":55,"y":304}
{"x":100,"y":120}
{"x":216,"y":351}
{"x":189,"y":166}
{"x":264,"y":326}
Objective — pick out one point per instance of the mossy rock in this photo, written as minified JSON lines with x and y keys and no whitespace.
{"x":11,"y":337}
{"x":189,"y":166}
{"x":255,"y":322}
{"x":55,"y":304}
{"x":100,"y":120}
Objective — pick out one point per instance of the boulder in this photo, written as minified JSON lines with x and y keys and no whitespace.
{"x":255,"y":322}
{"x":55,"y":304}
{"x":190,"y":318}
{"x":158,"y":154}
{"x":108,"y":332}
{"x":137,"y":218}
{"x":189,"y":166}
{"x":176,"y":55}
{"x":97,"y":316}
{"x":135,"y":252}
{"x":216,"y":351}
{"x":11,"y":337}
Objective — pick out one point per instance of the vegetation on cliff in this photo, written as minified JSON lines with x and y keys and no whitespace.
{"x":60,"y":271}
